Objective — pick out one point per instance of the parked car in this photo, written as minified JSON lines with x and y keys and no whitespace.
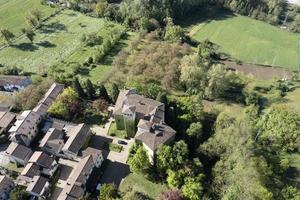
{"x":122,"y":142}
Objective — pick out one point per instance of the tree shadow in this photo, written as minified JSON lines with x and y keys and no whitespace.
{"x":206,"y":14}
{"x":53,"y":27}
{"x":84,"y":71}
{"x":26,"y":46}
{"x":46,"y":44}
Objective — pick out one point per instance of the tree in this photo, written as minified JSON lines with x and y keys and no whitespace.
{"x":77,"y":86}
{"x":175,"y":178}
{"x":114,"y":93}
{"x":18,"y":193}
{"x":100,"y":105}
{"x":6,"y":35}
{"x":29,"y":34}
{"x":135,"y":195}
{"x":103,"y":93}
{"x":171,"y":194}
{"x":108,"y":192}
{"x":192,"y":189}
{"x":195,"y":130}
{"x":66,"y":106}
{"x":193,"y":74}
{"x":218,"y":82}
{"x":33,"y":18}
{"x":279,"y":129}
{"x":173,"y":33}
{"x":139,"y":162}
{"x":194,"y":134}
{"x":90,"y":90}
{"x":171,"y":158}
{"x":101,"y":8}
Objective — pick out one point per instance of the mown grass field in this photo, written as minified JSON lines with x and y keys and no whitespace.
{"x":54,"y":42}
{"x":140,"y":184}
{"x":250,"y":41}
{"x":13,"y":12}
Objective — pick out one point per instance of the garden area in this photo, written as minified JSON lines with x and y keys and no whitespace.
{"x":137,"y":182}
{"x":113,"y":131}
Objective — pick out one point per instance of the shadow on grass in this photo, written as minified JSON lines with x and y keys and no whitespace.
{"x":46,"y":44}
{"x":25,"y":46}
{"x":53,"y":27}
{"x":206,"y":14}
{"x":115,"y":172}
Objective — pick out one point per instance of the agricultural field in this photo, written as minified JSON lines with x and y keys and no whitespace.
{"x":250,"y":41}
{"x":13,"y":12}
{"x":59,"y":40}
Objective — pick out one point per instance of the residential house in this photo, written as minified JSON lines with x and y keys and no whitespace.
{"x":18,"y":153}
{"x":6,"y":185}
{"x":46,"y":163}
{"x":130,"y":108}
{"x":153,"y":135}
{"x":13,"y":83}
{"x":29,"y":171}
{"x":53,"y":141}
{"x":39,"y":187}
{"x":78,"y":138}
{"x":48,"y":99}
{"x":76,"y":184}
{"x":6,"y":121}
{"x":25,"y":128}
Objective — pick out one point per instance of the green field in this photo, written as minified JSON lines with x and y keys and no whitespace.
{"x":55,"y":41}
{"x":251,"y":41}
{"x":13,"y":12}
{"x":140,"y":184}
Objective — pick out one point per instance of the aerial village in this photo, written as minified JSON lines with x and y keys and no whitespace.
{"x":64,"y":159}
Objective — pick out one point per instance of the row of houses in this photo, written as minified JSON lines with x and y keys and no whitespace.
{"x":40,"y":157}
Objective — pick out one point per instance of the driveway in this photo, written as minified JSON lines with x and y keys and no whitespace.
{"x":117,"y":168}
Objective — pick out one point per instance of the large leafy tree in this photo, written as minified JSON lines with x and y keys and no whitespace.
{"x":108,"y":192}
{"x":279,"y":129}
{"x":139,"y":162}
{"x":171,"y":158}
{"x":67,"y":105}
{"x":192,"y":189}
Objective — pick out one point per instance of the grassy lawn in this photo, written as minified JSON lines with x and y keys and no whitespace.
{"x":115,"y":147}
{"x":57,"y":40}
{"x":232,"y":109}
{"x":141,"y":184}
{"x":113,"y":131}
{"x":13,"y":12}
{"x":250,"y":40}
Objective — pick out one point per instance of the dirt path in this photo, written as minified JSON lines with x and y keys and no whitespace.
{"x":258,"y":71}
